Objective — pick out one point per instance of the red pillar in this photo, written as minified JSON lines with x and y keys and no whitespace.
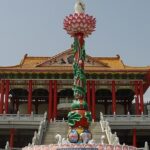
{"x":7,"y":95}
{"x":141,"y":97}
{"x":55,"y":100}
{"x":29,"y":96}
{"x":134,"y":137}
{"x":136,"y":97}
{"x":2,"y":96}
{"x":50,"y":101}
{"x":93,"y":100}
{"x":11,"y":140}
{"x":88,"y":95}
{"x":113,"y":97}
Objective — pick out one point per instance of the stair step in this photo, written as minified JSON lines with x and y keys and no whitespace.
{"x":62,"y":129}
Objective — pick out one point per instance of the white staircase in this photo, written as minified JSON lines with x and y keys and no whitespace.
{"x":97,"y":132}
{"x":61,"y":128}
{"x":54,"y":128}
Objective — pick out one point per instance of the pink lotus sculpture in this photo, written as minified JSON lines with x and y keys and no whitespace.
{"x":79,"y":23}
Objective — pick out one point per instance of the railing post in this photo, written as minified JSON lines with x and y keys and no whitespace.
{"x":7,"y":146}
{"x":146,"y":147}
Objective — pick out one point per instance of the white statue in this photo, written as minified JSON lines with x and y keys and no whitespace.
{"x":64,"y":141}
{"x":79,"y":7}
{"x":91,"y":142}
{"x":102,"y":139}
{"x":59,"y":138}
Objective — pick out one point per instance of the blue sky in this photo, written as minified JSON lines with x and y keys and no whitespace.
{"x":36,"y":27}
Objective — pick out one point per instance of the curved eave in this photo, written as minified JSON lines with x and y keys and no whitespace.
{"x":69,"y":69}
{"x":9,"y":67}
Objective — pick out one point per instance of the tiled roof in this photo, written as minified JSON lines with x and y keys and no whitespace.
{"x":106,"y":63}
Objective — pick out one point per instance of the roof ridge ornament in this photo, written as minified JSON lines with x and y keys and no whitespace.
{"x":79,"y":7}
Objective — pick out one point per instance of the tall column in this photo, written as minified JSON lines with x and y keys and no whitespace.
{"x":2,"y":96}
{"x":134,"y":137}
{"x":11,"y":140}
{"x":29,"y":96}
{"x":93,"y":100}
{"x":113,"y":97}
{"x":7,"y":95}
{"x":136,"y":97}
{"x":141,"y":97}
{"x":55,"y":100}
{"x":88,"y":95}
{"x":50,"y":101}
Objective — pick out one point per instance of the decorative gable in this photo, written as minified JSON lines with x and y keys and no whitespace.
{"x":66,"y":58}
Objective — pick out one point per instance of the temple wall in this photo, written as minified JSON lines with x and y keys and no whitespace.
{"x":99,"y":108}
{"x":23,"y":108}
{"x":42,"y":108}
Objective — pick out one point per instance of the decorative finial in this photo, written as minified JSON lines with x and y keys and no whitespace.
{"x":79,"y":7}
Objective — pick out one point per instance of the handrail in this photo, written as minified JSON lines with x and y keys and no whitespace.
{"x":112,"y":138}
{"x":20,"y":117}
{"x":127,"y":117}
{"x":37,"y":138}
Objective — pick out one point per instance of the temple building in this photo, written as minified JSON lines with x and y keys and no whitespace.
{"x":44,"y":84}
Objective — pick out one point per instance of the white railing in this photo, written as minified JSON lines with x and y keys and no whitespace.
{"x":112,"y":138}
{"x":20,"y":117}
{"x":37,"y":138}
{"x":127,"y":117}
{"x":83,"y":146}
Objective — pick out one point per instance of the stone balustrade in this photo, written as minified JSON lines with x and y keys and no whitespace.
{"x":21,"y":120}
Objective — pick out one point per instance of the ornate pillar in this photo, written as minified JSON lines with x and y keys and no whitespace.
{"x":134,"y":137}
{"x":29,"y":96}
{"x":55,"y":100}
{"x":113,"y":97}
{"x":93,"y":100}
{"x":50,"y":115}
{"x":136,"y":97}
{"x":79,"y":25}
{"x":11,"y":140}
{"x":2,"y":96}
{"x":7,"y":95}
{"x":88,"y":95}
{"x":141,"y":97}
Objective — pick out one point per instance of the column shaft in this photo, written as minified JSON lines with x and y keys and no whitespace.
{"x":11,"y":140}
{"x":2,"y":96}
{"x":30,"y":97}
{"x":113,"y":97}
{"x":134,"y":137}
{"x":55,"y":100}
{"x":93,"y":100}
{"x":50,"y":101}
{"x":88,"y":95}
